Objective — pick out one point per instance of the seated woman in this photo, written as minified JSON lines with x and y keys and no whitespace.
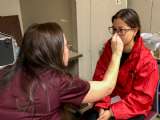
{"x":38,"y":85}
{"x":138,"y":73}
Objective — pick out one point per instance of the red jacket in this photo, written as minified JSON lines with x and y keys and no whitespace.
{"x":136,"y":85}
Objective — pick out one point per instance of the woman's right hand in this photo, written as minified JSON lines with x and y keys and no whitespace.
{"x":116,"y":44}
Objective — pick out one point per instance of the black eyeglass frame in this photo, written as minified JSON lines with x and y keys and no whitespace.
{"x":118,"y":30}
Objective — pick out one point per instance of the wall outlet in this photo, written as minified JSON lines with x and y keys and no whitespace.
{"x":118,"y":1}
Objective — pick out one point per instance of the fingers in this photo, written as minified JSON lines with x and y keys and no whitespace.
{"x":119,"y":44}
{"x":106,"y":115}
{"x":101,"y":111}
{"x":114,"y":37}
{"x":101,"y":117}
{"x":116,"y":44}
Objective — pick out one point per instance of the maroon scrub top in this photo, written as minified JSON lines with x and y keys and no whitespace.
{"x":13,"y":101}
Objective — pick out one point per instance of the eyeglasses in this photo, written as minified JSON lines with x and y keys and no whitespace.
{"x":121,"y":32}
{"x":69,"y":46}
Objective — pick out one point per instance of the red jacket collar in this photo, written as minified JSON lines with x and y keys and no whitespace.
{"x":135,"y":51}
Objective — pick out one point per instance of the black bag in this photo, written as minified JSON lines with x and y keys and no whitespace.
{"x":7,"y":54}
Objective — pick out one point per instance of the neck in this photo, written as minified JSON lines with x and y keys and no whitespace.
{"x":128,"y":48}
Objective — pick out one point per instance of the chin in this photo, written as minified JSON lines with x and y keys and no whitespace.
{"x":66,"y":64}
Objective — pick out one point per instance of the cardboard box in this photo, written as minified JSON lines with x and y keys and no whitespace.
{"x":157,"y":32}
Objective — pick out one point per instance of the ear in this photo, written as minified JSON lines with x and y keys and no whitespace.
{"x":135,"y":31}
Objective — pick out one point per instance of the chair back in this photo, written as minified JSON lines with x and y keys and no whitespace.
{"x":155,"y":106}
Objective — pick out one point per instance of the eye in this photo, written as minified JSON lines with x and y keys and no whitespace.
{"x":120,"y":30}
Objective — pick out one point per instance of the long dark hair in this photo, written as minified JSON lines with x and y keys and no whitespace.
{"x":131,"y":18}
{"x":41,"y":50}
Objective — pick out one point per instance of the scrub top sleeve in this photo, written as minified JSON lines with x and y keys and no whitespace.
{"x":75,"y":93}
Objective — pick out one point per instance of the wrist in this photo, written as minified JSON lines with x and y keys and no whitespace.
{"x":117,"y":54}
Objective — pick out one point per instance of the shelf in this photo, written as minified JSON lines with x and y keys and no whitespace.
{"x":74,"y":55}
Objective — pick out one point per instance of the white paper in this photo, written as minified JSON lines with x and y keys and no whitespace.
{"x":155,"y":38}
{"x":146,"y":36}
{"x":151,"y":41}
{"x":115,"y":99}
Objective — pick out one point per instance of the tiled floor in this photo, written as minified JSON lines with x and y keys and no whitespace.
{"x":157,"y":118}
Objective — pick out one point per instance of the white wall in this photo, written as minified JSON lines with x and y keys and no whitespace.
{"x":40,"y":11}
{"x":11,"y":7}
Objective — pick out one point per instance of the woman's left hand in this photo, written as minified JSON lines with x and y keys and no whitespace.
{"x":106,"y":115}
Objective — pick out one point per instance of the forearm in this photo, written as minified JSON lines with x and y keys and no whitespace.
{"x":111,"y":74}
{"x":100,"y":89}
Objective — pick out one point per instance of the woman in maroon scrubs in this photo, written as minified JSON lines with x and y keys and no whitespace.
{"x":38,"y":85}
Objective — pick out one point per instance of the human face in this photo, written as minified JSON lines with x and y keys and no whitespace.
{"x":66,"y":51}
{"x":128,"y":38}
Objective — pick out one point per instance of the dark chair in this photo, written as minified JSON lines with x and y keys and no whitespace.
{"x":155,"y":107}
{"x":77,"y":109}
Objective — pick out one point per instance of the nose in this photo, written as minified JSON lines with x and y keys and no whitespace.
{"x":117,"y":32}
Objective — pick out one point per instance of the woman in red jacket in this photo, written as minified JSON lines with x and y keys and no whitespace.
{"x":138,"y":76}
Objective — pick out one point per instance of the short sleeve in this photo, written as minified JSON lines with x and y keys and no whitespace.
{"x":75,"y":93}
